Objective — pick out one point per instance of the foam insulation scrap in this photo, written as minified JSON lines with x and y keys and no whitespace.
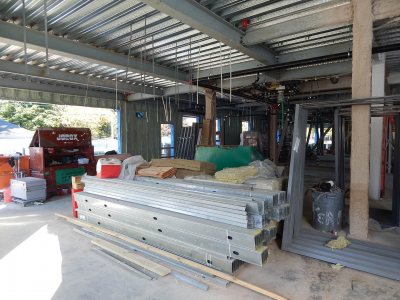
{"x":340,"y":243}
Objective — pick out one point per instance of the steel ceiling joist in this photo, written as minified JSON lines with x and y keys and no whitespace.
{"x":322,"y":70}
{"x":284,"y":58}
{"x":51,"y":87}
{"x":75,"y":79}
{"x":13,"y":34}
{"x":198,"y":17}
{"x":225,"y":69}
{"x":20,"y":90}
{"x":337,"y":15}
{"x":316,"y":52}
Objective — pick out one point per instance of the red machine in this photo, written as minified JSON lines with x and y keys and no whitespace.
{"x":7,"y":172}
{"x":56,"y":154}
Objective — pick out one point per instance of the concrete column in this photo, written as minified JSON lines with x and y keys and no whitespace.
{"x":209,"y":128}
{"x":360,"y":143}
{"x":378,"y":90}
{"x":211,"y":103}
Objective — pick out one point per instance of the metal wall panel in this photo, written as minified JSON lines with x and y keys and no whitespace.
{"x":365,"y":256}
{"x":144,"y":134}
{"x":233,"y":127}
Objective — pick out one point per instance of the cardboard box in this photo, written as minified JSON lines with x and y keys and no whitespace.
{"x":78,"y":186}
{"x":157,"y":172}
{"x":76,"y":179}
{"x":193,"y":165}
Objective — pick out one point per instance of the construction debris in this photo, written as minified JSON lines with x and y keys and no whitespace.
{"x":337,"y":267}
{"x":340,"y":243}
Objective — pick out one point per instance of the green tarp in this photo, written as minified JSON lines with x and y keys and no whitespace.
{"x":228,"y":157}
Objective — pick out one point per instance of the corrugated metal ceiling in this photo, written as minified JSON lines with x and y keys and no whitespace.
{"x":130,"y":26}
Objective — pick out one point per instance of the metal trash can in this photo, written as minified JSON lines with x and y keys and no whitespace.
{"x":327,"y":210}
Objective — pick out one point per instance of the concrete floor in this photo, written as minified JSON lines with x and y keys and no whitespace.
{"x":41,"y":257}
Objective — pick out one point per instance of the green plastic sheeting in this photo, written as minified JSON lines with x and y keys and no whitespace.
{"x":64,"y":176}
{"x":228,"y":157}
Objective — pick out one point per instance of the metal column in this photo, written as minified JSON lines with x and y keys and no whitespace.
{"x":295,"y":189}
{"x":339,"y":150}
{"x":396,"y":175}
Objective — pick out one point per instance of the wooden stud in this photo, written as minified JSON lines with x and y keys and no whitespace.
{"x":132,"y":257}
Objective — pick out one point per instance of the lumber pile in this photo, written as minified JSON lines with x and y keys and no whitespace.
{"x":157,"y":172}
{"x":218,"y":227}
{"x":185,"y":167}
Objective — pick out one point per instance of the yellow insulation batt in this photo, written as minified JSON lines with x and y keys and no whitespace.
{"x":236,"y":175}
{"x":272,"y":184}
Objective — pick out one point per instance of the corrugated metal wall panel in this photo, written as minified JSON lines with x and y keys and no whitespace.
{"x":232,"y":130}
{"x":233,"y":127}
{"x":144,"y":135}
{"x":260,"y":124}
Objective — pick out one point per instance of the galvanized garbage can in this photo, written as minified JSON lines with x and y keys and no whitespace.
{"x":327,"y":210}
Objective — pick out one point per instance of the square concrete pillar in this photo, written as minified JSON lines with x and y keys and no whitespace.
{"x":360,"y":144}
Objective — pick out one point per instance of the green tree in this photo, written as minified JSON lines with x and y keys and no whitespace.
{"x":30,"y":116}
{"x":102,"y":128}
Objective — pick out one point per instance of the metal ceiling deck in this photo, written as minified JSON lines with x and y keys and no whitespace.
{"x":120,"y":25}
{"x":134,"y":28}
{"x":266,"y":13}
{"x":38,"y":58}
